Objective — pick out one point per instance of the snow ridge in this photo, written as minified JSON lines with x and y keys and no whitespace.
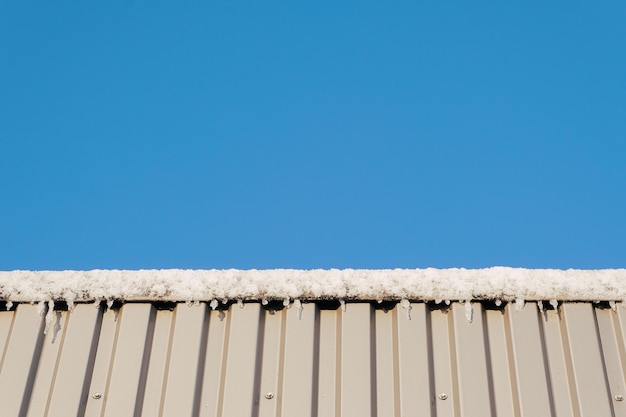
{"x":497,"y":283}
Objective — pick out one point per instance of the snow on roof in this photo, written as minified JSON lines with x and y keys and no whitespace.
{"x":497,"y":283}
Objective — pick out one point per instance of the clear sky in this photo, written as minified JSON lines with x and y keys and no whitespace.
{"x":312,"y":134}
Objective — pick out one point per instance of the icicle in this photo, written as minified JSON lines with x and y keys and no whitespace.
{"x":213,"y":304}
{"x":438,"y":300}
{"x":240,"y":303}
{"x":57,"y":327}
{"x":9,"y":305}
{"x":109,"y":303}
{"x":286,"y":302}
{"x":540,"y":305}
{"x":221,"y":315}
{"x":554,"y":304}
{"x":498,"y":302}
{"x":298,"y":305}
{"x":406,"y":304}
{"x":343,"y":305}
{"x":519,"y":304}
{"x":264,"y":301}
{"x":41,"y":308}
{"x":469,"y":311}
{"x":70,"y":305}
{"x":612,"y":305}
{"x":379,"y":301}
{"x":224,"y":300}
{"x":96,"y":302}
{"x":447,"y":302}
{"x":49,"y":316}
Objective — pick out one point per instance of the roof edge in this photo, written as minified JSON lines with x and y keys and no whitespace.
{"x":430,"y":284}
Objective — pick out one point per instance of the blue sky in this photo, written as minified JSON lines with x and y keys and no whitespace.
{"x":312,"y":135}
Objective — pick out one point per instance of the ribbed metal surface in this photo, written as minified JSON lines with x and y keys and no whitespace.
{"x":361,"y":361}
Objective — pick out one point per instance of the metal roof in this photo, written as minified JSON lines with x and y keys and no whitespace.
{"x":172,"y":360}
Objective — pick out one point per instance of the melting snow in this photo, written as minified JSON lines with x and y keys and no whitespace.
{"x":406,"y":304}
{"x":299,"y":307}
{"x":469,"y":311}
{"x":46,"y":309}
{"x":498,"y":283}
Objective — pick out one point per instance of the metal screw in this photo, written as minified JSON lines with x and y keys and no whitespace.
{"x":269,"y":395}
{"x":619,"y":397}
{"x":443,"y":396}
{"x":97,"y":395}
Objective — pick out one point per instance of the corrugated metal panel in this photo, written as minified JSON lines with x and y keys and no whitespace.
{"x":367,"y":360}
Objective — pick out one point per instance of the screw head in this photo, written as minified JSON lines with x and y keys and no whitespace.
{"x":269,"y":395}
{"x":443,"y":396}
{"x":97,"y":395}
{"x":619,"y":397}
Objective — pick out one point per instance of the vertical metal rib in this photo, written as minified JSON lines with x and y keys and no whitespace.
{"x":7,"y":318}
{"x":90,"y":364}
{"x":220,"y":398}
{"x":281,"y":362}
{"x":258,"y":364}
{"x":603,"y":361}
{"x":454,"y":369}
{"x":546,"y":361}
{"x":145,"y":362}
{"x":570,"y":371}
{"x":316,"y":364}
{"x":510,"y":355}
{"x":202,"y":350}
{"x":339,"y":348}
{"x":373,"y":373}
{"x":32,"y":371}
{"x":396,"y":364}
{"x":492,"y":400}
{"x":168,"y":358}
{"x":431,"y":361}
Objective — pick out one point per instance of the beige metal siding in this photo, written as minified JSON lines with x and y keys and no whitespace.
{"x":251,"y":360}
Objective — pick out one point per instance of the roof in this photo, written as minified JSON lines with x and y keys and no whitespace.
{"x":499,"y":341}
{"x":178,"y":359}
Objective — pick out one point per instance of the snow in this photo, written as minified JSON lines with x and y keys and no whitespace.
{"x":299,"y":307}
{"x":469,"y":311}
{"x":497,"y":283}
{"x":406,"y":305}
